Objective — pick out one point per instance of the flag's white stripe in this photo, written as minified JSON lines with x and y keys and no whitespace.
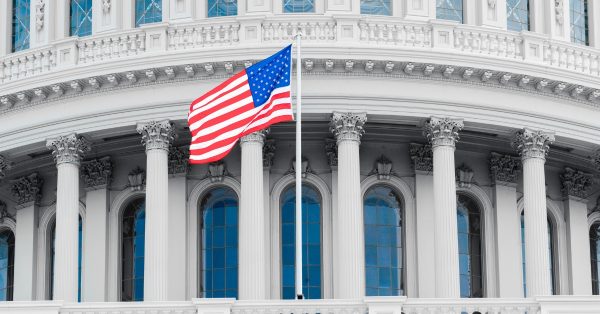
{"x":220,"y":100}
{"x":276,"y":113}
{"x":231,"y":85}
{"x":220,"y":137}
{"x":214,"y":152}
{"x":236,"y":105}
{"x":224,"y":124}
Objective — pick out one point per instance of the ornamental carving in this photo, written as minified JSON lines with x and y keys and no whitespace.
{"x":27,"y":189}
{"x":348,"y":126}
{"x":4,"y":212}
{"x":68,"y":148}
{"x":491,"y":4}
{"x":179,"y":160}
{"x":383,"y":168}
{"x":269,"y":153}
{"x":106,"y":6}
{"x":464,"y":176}
{"x":4,"y":166}
{"x":559,"y":11}
{"x":304,"y":167}
{"x":258,"y":136}
{"x":443,"y":131}
{"x":40,"y":8}
{"x":422,"y":157}
{"x":532,"y":143}
{"x":331,"y":152}
{"x":596,"y":160}
{"x":216,"y":171}
{"x":96,"y":173}
{"x":504,"y":168}
{"x":596,"y":208}
{"x":137,"y":179}
{"x":575,"y":182}
{"x":156,"y":134}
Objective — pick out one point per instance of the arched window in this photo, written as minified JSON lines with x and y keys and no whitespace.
{"x":52,"y":253}
{"x":551,"y":254}
{"x":132,"y":254}
{"x":517,"y":15}
{"x":376,"y":7}
{"x":20,"y":24}
{"x":81,"y":18}
{"x":219,"y":212}
{"x":222,"y":8}
{"x":7,"y":265}
{"x":449,"y":10}
{"x":579,"y":21}
{"x":311,"y":242}
{"x":383,"y":217}
{"x":469,"y":247}
{"x":298,"y":6}
{"x":595,"y":255}
{"x":148,"y":11}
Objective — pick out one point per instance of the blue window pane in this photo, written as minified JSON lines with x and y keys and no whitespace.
{"x":311,"y":243}
{"x":148,"y":11}
{"x":550,"y":254}
{"x":7,"y":260}
{"x":469,"y":247}
{"x":595,"y":257}
{"x":383,"y":242}
{"x":222,"y":8}
{"x":579,"y":21}
{"x":20,"y":24}
{"x":132,"y":252}
{"x":517,"y":15}
{"x":219,"y":211}
{"x":81,"y":18}
{"x":377,"y":7}
{"x":298,"y":6}
{"x":52,"y":258}
{"x":449,"y":10}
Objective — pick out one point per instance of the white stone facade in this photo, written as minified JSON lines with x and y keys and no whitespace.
{"x":509,"y":119}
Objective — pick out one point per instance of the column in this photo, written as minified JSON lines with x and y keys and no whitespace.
{"x":504,"y":171}
{"x":5,"y":27}
{"x":96,"y":175}
{"x":443,"y":134}
{"x":332,"y":160}
{"x":576,"y":185}
{"x":252,"y":245}
{"x":178,"y":169}
{"x":268,"y":158}
{"x":422,"y":158}
{"x":27,"y":190}
{"x":157,"y":137}
{"x":347,"y":128}
{"x":68,"y":151}
{"x":533,"y":145}
{"x":594,"y":23}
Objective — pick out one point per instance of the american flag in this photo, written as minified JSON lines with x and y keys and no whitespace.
{"x":249,"y":101}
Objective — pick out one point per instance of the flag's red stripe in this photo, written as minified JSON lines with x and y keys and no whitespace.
{"x":217,"y":89}
{"x":221,"y":117}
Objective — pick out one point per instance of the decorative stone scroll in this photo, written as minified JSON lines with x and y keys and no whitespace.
{"x":156,"y":134}
{"x":96,"y":173}
{"x":331,"y":152}
{"x":179,"y":160}
{"x":443,"y":131}
{"x":269,"y":153}
{"x":596,"y":160}
{"x":464,"y":176}
{"x":68,"y":149}
{"x":383,"y":168}
{"x":137,"y":179}
{"x":575,"y":182}
{"x":348,"y":126}
{"x":106,"y":6}
{"x":532,"y":143}
{"x":504,"y":168}
{"x":216,"y":171}
{"x":40,"y":10}
{"x":27,"y":189}
{"x":4,"y":166}
{"x":304,"y":167}
{"x":422,"y":157}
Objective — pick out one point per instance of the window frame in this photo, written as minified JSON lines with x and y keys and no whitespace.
{"x":70,"y":12}
{"x":391,"y":9}
{"x":120,"y":260}
{"x":314,"y":9}
{"x":528,"y":18}
{"x":462,"y":20}
{"x":136,"y":18}
{"x":12,"y":26}
{"x":595,"y":224}
{"x":237,"y":8}
{"x":11,"y":275}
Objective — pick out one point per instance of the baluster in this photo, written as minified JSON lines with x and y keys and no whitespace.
{"x":563,"y":57}
{"x":106,"y":46}
{"x":458,"y":40}
{"x":37,"y":63}
{"x":15,"y":68}
{"x":142,"y":42}
{"x":2,"y":68}
{"x":594,"y":64}
{"x":363,"y":32}
{"x":22,"y":66}
{"x":235,"y":33}
{"x":555,"y":56}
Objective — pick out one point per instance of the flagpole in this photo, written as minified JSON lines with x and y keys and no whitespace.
{"x":298,"y":169}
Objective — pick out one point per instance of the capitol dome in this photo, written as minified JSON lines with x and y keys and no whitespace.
{"x":451,"y":157}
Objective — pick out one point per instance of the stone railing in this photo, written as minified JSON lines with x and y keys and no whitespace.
{"x":163,"y":41}
{"x":370,"y":305}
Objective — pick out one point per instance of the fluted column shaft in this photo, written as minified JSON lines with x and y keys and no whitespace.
{"x":348,"y":129}
{"x":252,"y":245}
{"x":68,"y":151}
{"x":157,"y":136}
{"x":533,"y":147}
{"x":443,"y":134}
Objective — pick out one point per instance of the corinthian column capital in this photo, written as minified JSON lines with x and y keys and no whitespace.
{"x":68,"y":148}
{"x":258,"y":136}
{"x":27,"y":189}
{"x":156,"y":134}
{"x":576,"y":182}
{"x":4,"y":165}
{"x":348,"y":126}
{"x":532,"y":143}
{"x":443,"y":131}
